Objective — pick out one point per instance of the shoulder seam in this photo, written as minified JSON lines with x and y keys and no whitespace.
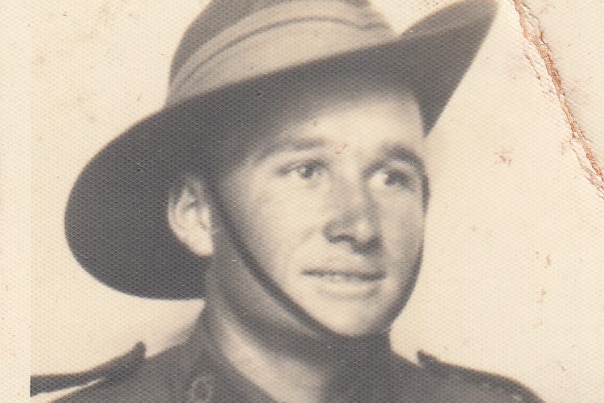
{"x":515,"y":389}
{"x":118,"y":367}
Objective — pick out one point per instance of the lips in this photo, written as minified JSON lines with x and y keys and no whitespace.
{"x":345,"y":275}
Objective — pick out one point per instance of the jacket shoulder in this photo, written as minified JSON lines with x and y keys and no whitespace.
{"x":452,"y":383}
{"x":153,"y":380}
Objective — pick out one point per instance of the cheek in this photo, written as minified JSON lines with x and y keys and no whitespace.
{"x":403,"y":231}
{"x":275,"y":223}
{"x":289,"y":209}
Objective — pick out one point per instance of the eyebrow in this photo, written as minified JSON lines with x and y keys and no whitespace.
{"x":406,"y":155}
{"x":397,"y":153}
{"x":289,"y":146}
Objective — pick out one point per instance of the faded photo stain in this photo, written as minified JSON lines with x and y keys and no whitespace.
{"x":535,"y":35}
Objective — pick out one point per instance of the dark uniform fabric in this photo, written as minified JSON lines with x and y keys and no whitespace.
{"x":195,"y":372}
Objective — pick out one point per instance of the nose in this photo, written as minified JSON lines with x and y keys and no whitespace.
{"x":354,"y":219}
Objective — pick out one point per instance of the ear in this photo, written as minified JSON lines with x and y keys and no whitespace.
{"x":189,"y":215}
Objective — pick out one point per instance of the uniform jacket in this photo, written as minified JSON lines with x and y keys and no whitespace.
{"x":195,"y":372}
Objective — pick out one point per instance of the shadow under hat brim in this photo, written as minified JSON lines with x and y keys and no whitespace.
{"x":116,"y":220}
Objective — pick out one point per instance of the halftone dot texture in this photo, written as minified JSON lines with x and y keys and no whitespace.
{"x":233,"y":52}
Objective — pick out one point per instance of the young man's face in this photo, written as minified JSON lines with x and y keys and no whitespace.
{"x":331,"y":208}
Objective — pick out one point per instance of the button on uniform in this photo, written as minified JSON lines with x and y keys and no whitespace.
{"x":202,"y":389}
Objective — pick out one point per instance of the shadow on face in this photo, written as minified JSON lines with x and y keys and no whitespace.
{"x":326,"y":196}
{"x":244,"y":124}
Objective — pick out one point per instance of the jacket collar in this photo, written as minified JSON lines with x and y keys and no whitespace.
{"x":212,"y":378}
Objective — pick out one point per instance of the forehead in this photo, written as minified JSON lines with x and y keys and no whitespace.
{"x":364,"y":122}
{"x":324,"y":98}
{"x":358,"y":121}
{"x":347,"y":111}
{"x":332,"y":107}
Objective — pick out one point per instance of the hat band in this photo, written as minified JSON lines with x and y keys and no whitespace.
{"x":276,"y":38}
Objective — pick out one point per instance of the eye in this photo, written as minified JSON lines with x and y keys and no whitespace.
{"x":306,"y":171}
{"x":395,"y":179}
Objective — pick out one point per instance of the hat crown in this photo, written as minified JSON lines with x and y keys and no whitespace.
{"x":218,"y":16}
{"x":229,"y":44}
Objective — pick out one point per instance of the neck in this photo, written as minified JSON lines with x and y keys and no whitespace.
{"x":290,"y":366}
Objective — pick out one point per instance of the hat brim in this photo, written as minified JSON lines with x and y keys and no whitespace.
{"x":116,"y":220}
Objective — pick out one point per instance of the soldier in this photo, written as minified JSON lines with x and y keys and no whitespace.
{"x":284,"y":183}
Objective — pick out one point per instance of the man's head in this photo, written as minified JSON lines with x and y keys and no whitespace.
{"x":329,"y":201}
{"x":231,"y":64}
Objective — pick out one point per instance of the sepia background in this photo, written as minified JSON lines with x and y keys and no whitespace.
{"x":513,"y":280}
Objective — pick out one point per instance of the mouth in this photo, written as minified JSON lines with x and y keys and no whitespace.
{"x":345,"y":275}
{"x":350,"y":283}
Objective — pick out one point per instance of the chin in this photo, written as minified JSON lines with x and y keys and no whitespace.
{"x":358,"y":332}
{"x":359,"y":326}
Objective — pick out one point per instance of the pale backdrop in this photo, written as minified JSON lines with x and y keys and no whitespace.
{"x":513,"y":280}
